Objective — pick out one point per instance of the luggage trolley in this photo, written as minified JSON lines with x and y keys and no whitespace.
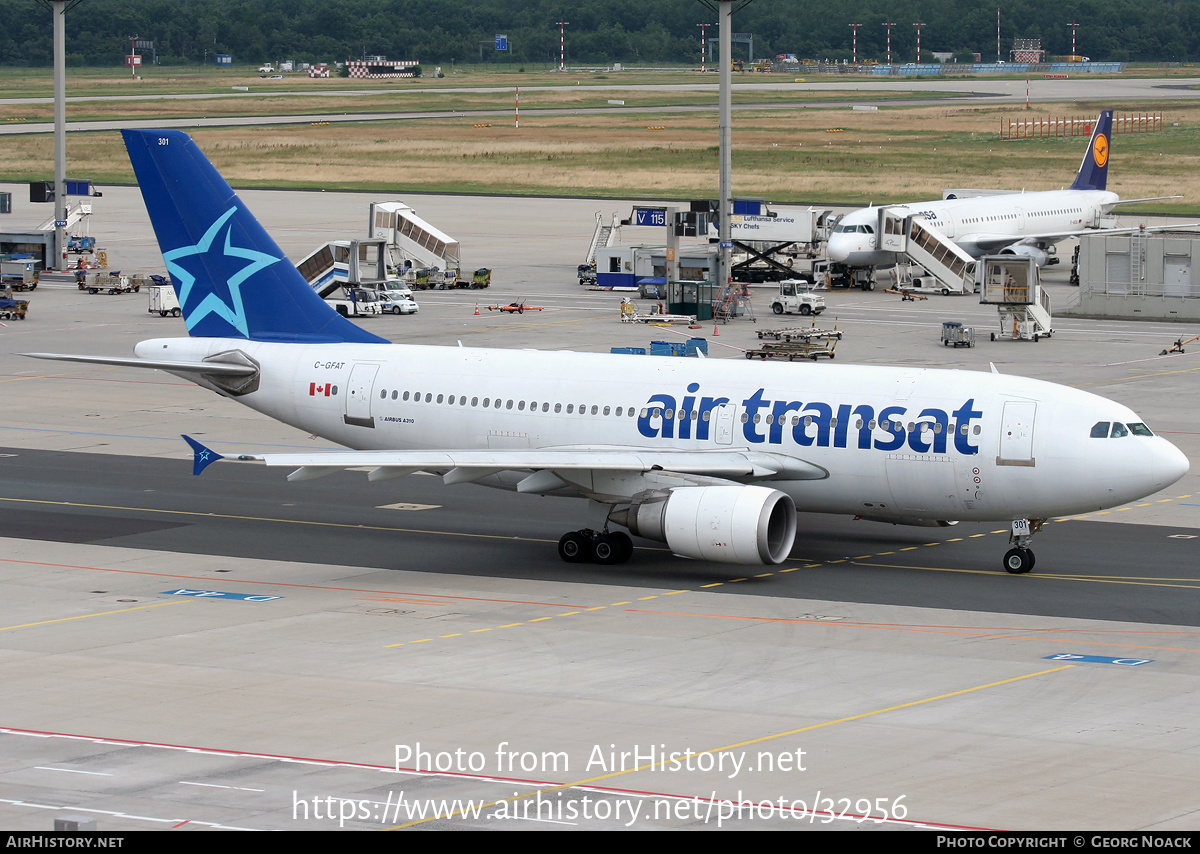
{"x":954,"y":333}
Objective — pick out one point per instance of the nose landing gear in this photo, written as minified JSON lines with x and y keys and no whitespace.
{"x":1020,"y":559}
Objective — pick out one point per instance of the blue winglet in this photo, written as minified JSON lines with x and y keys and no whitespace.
{"x":202,"y":457}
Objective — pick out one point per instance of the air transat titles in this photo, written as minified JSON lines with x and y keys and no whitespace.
{"x":816,"y":423}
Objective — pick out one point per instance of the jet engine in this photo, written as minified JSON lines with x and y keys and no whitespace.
{"x":1039,"y":256}
{"x":729,"y":524}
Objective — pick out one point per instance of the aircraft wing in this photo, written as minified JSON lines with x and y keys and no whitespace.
{"x":471,"y":465}
{"x":991,"y":242}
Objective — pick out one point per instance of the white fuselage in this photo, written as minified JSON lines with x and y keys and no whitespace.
{"x":979,"y":225}
{"x":897,"y":443}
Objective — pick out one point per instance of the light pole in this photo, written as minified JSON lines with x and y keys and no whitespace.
{"x":918,"y":26}
{"x":854,"y":42}
{"x":889,"y":26}
{"x":58,"y":9}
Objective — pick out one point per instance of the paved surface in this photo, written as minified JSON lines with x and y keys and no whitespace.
{"x":1102,"y":91}
{"x":883,"y":671}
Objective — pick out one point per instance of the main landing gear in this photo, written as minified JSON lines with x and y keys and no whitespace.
{"x":600,"y":547}
{"x":1020,"y":559}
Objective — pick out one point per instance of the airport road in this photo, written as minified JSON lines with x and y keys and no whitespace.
{"x":913,"y":674}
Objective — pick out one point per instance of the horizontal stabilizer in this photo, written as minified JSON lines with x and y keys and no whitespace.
{"x":1150,"y":199}
{"x":225,"y":369}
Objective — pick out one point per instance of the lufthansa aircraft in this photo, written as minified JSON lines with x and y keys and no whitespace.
{"x":1008,"y":224}
{"x":712,"y":457}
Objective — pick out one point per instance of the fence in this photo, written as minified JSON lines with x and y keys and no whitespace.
{"x":1060,"y":126}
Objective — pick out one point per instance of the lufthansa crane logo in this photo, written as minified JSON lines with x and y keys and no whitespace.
{"x":1100,"y":150}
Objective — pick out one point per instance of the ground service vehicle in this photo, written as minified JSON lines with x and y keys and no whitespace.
{"x":795,"y":297}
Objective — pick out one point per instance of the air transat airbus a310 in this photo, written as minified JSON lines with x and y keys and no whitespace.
{"x":1029,"y":224}
{"x":713,"y":457}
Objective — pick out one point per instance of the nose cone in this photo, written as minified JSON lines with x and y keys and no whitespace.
{"x":1168,"y":465}
{"x":1130,"y":468}
{"x":838,"y":249}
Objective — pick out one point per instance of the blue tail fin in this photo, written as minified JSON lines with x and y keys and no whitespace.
{"x":231,"y":278}
{"x":1093,"y":172}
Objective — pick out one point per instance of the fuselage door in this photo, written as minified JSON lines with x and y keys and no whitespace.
{"x":1016,"y":434}
{"x":723,"y":428}
{"x":359,"y":393}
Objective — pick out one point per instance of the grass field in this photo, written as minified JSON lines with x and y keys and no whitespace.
{"x":821,"y":153}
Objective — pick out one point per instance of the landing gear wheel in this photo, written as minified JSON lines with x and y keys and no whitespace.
{"x":624,"y":545}
{"x":1018,"y":561}
{"x":606,"y":550}
{"x":574,"y":547}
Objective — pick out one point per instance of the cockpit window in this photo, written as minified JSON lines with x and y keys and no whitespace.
{"x":1100,"y":430}
{"x":1139,"y":429}
{"x":1118,"y":430}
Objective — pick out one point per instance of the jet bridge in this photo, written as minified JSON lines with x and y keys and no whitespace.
{"x":908,"y":234}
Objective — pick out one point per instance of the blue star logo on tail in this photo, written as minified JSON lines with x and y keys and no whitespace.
{"x":219,"y":260}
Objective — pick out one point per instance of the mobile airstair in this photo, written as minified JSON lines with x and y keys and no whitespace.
{"x":910,"y":234}
{"x":1012,"y":283}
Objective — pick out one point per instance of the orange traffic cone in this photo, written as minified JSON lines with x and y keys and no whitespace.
{"x":477,"y":309}
{"x":716,"y":334}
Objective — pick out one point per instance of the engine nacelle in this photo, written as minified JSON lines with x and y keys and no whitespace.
{"x":729,"y":524}
{"x":1039,"y":256}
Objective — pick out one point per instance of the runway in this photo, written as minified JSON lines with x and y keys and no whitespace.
{"x":978,"y":90}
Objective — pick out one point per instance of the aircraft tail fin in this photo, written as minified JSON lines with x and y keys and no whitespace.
{"x":1093,"y":172}
{"x":232,"y":280}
